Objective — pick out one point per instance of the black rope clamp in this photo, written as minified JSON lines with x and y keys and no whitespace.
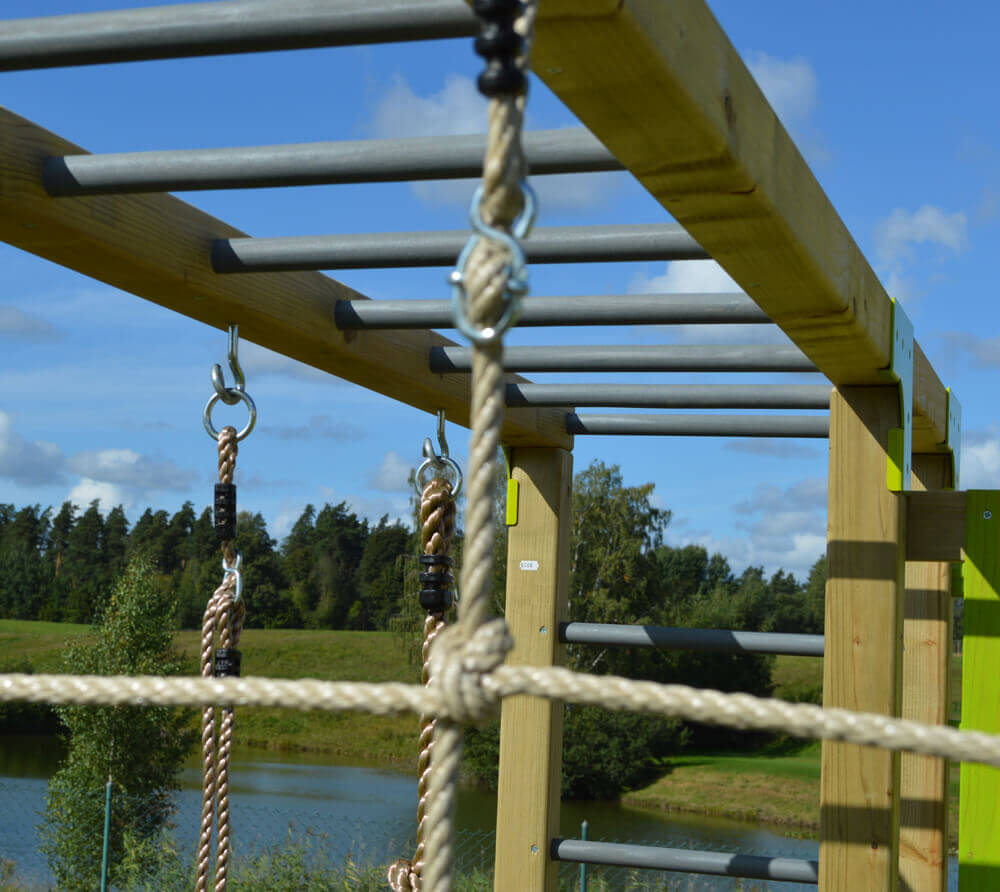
{"x":225,"y":511}
{"x":499,"y":44}
{"x":436,"y":595}
{"x":227,"y":662}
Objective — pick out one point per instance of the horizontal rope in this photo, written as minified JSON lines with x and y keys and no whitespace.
{"x":741,"y":711}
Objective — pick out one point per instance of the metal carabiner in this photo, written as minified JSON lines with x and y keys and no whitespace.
{"x":516,"y":271}
{"x":237,"y":572}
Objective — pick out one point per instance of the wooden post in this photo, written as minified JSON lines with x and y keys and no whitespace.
{"x":531,"y":728}
{"x":859,"y":788}
{"x":979,"y":808}
{"x":927,"y":612}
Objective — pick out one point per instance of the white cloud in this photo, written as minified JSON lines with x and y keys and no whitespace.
{"x":897,"y":233}
{"x":24,"y":462}
{"x":110,"y":495}
{"x":124,"y":467}
{"x":792,"y":88}
{"x":18,"y":325}
{"x":392,"y":474}
{"x":980,"y":468}
{"x":319,"y":427}
{"x":704,"y":277}
{"x":458,"y":108}
{"x":257,"y":360}
{"x":687,"y":277}
{"x":789,"y":85}
{"x":775,"y":448}
{"x":983,"y":352}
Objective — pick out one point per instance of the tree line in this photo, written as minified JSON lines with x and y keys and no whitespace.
{"x":335,"y":570}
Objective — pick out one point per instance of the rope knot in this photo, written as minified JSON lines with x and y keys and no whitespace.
{"x":458,"y":663}
{"x":403,"y":877}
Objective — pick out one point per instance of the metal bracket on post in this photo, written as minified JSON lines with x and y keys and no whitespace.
{"x":953,"y":437}
{"x":512,"y":488}
{"x":901,"y":371}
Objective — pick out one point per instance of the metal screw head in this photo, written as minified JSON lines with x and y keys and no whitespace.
{"x":544,"y":630}
{"x":534,"y":850}
{"x":987,"y":515}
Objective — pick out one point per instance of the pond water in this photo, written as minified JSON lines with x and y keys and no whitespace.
{"x":364,"y":812}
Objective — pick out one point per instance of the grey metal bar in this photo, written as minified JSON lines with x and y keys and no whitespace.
{"x":670,"y":396}
{"x":303,"y":164}
{"x":597,"y":358}
{"x":804,"y":426}
{"x":711,"y":640}
{"x":611,"y":309}
{"x":557,"y":244}
{"x":757,"y":867}
{"x":227,"y":26}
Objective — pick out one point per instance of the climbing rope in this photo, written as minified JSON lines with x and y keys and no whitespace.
{"x":437,"y":529}
{"x":222,"y":624}
{"x":488,"y":283}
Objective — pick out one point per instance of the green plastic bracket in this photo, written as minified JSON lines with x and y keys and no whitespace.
{"x":953,"y":437}
{"x":512,"y":488}
{"x":979,"y":801}
{"x":901,"y":371}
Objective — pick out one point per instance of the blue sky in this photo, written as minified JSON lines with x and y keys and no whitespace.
{"x":101,"y":393}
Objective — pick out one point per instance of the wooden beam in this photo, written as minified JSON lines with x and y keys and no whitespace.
{"x":859,"y":786}
{"x":158,"y":247}
{"x":935,"y":522}
{"x":979,"y":804}
{"x":531,"y":728}
{"x":927,"y":646}
{"x":663,"y":88}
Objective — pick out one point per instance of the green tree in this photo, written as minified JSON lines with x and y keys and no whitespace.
{"x":380,"y":573}
{"x":24,"y":578}
{"x":139,"y":749}
{"x":83,"y":567}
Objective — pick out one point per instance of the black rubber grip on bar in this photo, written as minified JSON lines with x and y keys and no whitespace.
{"x":227,"y":662}
{"x":225,"y":511}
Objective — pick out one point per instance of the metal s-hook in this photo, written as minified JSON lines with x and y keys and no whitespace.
{"x":438,"y":463}
{"x":230,"y":395}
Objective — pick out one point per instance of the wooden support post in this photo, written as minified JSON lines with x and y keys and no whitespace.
{"x":979,"y":808}
{"x":927,"y":612}
{"x":859,"y":788}
{"x":531,"y":728}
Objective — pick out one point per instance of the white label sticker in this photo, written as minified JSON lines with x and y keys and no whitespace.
{"x":529,"y":565}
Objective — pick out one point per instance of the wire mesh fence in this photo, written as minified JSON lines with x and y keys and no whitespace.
{"x":275,"y":849}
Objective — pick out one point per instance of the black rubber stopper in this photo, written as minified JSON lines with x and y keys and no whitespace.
{"x":436,"y":600}
{"x":227,"y":663}
{"x":225,"y":511}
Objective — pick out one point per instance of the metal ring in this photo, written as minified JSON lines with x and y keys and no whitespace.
{"x":439,"y":463}
{"x":251,"y":408}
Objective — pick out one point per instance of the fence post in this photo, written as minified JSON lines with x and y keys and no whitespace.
{"x":583,"y":867}
{"x":531,"y":727}
{"x":107,"y":836}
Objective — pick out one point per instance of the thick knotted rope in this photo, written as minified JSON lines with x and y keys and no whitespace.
{"x":486,"y":283}
{"x":437,"y":529}
{"x":223,"y":618}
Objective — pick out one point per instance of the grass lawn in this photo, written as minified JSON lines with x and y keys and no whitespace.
{"x":778,"y":786}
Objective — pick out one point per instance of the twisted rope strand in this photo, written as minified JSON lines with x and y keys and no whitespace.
{"x":740,"y":711}
{"x":437,"y":529}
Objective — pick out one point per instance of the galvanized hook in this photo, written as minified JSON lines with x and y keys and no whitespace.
{"x":438,"y":463}
{"x":230,"y":395}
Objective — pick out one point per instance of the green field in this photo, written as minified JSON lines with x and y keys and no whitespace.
{"x":778,"y":785}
